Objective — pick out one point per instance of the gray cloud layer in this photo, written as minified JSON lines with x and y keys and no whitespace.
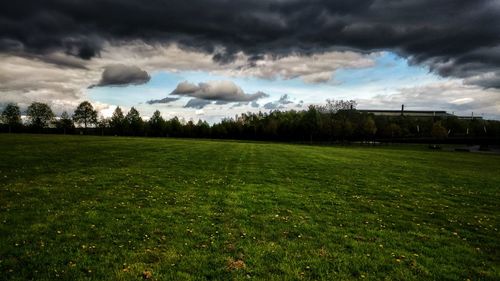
{"x":163,"y":100}
{"x":197,"y":103}
{"x":279,"y":104}
{"x":457,"y":38}
{"x":221,"y":91}
{"x":122,"y":75}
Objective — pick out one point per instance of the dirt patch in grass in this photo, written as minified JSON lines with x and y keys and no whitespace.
{"x":235,"y":264}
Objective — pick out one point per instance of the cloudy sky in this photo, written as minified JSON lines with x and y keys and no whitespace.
{"x":211,"y":59}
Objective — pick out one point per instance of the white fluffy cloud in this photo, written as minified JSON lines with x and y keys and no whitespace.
{"x":24,"y":80}
{"x":223,"y":91}
{"x":317,"y":68}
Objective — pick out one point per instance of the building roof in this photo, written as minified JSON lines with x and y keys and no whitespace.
{"x":404,"y":111}
{"x":415,"y":113}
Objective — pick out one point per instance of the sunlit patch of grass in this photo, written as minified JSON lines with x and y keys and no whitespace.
{"x":106,"y":208}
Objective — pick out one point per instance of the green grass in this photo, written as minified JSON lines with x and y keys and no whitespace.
{"x":108,"y":208}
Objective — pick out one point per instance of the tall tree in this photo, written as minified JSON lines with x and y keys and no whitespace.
{"x":311,"y":121}
{"x":203,"y":129}
{"x":438,"y":131}
{"x":156,"y":124}
{"x":11,"y":116}
{"x":369,"y":128}
{"x":117,"y":121}
{"x":85,"y":114}
{"x":102,"y":124}
{"x":40,"y":115}
{"x":174,"y":127}
{"x":393,"y":130}
{"x":134,"y":121}
{"x":65,"y":123}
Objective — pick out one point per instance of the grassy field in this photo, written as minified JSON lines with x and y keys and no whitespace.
{"x":112,"y":208}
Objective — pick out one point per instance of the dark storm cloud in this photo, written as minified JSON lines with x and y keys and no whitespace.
{"x":164,"y":100}
{"x":457,"y":38}
{"x":122,"y":75}
{"x":489,"y":80}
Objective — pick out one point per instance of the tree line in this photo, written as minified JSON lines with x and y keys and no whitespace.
{"x":336,"y":121}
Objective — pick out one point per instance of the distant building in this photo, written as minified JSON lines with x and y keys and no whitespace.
{"x":415,"y":113}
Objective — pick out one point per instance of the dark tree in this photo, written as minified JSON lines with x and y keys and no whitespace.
{"x":438,"y":131}
{"x":40,"y":115}
{"x":11,"y":116}
{"x":203,"y":129}
{"x":156,"y":124}
{"x":102,"y":124}
{"x":173,"y":127}
{"x":85,"y":114}
{"x":393,"y":130}
{"x":117,"y":121}
{"x":134,"y":122}
{"x":369,"y":128}
{"x":312,"y":121}
{"x":65,"y":122}
{"x":456,"y":126}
